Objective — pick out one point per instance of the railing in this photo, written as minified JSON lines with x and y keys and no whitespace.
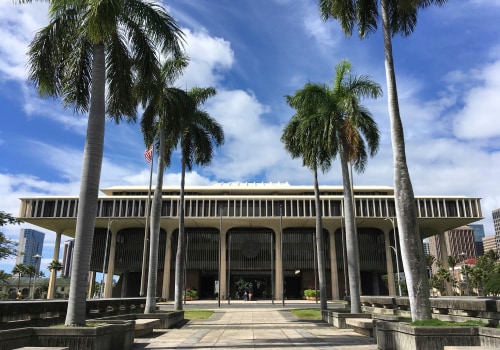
{"x":252,"y":206}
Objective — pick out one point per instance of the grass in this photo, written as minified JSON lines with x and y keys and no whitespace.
{"x":197,"y":314}
{"x":438,"y":323}
{"x":307,"y":314}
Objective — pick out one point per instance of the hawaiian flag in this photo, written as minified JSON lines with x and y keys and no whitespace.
{"x":148,"y":154}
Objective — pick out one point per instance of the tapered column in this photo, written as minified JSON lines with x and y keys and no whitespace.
{"x":223,"y":264}
{"x":333,"y":267}
{"x":108,"y":287}
{"x":390,"y":267}
{"x":90,"y":293}
{"x":444,"y":260}
{"x":165,"y":289}
{"x":279,"y":266}
{"x":124,"y":284}
{"x":53,"y":273}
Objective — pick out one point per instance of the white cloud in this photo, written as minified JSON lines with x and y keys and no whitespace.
{"x":478,"y":118}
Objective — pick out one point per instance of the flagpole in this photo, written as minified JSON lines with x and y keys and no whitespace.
{"x":144,"y":276}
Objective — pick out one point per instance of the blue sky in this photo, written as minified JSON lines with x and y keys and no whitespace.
{"x":254,"y":52}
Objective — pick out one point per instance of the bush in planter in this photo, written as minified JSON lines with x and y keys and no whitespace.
{"x":190,"y":293}
{"x":311,"y":293}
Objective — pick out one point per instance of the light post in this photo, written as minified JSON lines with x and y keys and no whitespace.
{"x":220,"y":255}
{"x":37,"y":256}
{"x":101,"y":292}
{"x":465,"y":270}
{"x":282,"y":260}
{"x":395,"y":248}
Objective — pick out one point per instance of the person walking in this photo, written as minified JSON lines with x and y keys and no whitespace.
{"x":250,"y":291}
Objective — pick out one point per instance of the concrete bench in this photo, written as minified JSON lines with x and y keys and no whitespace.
{"x":362,"y":326}
{"x":144,"y":326}
{"x":456,"y":347}
{"x":42,"y":348}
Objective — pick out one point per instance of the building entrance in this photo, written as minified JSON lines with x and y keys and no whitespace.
{"x":257,"y":282}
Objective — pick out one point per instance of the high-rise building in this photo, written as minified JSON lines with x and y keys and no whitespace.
{"x":490,"y":243}
{"x":67,"y":258}
{"x":426,"y":247}
{"x":30,"y":248}
{"x":459,"y":244}
{"x":478,"y":238}
{"x":496,"y":224}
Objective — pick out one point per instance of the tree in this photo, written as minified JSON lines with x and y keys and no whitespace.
{"x":7,"y":246}
{"x":4,"y":276}
{"x":162,"y":106}
{"x":19,"y":270}
{"x":398,"y":17}
{"x":90,"y":54}
{"x":30,"y":270}
{"x":349,"y":131}
{"x":303,"y":136}
{"x":56,"y":266}
{"x":199,"y":133}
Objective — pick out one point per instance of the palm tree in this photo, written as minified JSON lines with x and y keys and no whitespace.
{"x":30,"y":270}
{"x":347,"y":124}
{"x":56,"y":266}
{"x":4,"y":276}
{"x":19,"y":270}
{"x":303,"y":136}
{"x":398,"y":17}
{"x":90,"y":54}
{"x":199,"y":133}
{"x":163,"y":104}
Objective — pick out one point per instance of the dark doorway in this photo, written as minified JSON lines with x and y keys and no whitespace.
{"x":261,"y":284}
{"x":292,"y":287}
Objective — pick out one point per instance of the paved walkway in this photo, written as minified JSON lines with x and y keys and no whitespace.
{"x":254,"y":326}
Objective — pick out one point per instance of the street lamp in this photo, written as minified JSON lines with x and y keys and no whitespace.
{"x":395,"y":248}
{"x":465,"y":270}
{"x":37,"y":256}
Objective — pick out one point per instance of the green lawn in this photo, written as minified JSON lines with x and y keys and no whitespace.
{"x":197,"y":314}
{"x":307,"y":314}
{"x":438,"y":323}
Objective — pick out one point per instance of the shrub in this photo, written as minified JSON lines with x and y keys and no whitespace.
{"x":311,"y":292}
{"x":191,"y":292}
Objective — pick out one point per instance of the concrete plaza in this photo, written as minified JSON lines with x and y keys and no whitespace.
{"x":253,"y":325}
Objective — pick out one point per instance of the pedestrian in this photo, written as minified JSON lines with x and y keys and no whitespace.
{"x":19,"y":295}
{"x":250,"y":291}
{"x":245,"y":296}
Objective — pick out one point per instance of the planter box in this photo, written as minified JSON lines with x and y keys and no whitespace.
{"x":402,"y":336}
{"x":489,"y":337}
{"x":113,"y":335}
{"x":338,"y":318}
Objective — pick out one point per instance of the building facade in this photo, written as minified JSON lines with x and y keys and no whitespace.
{"x":241,"y":232}
{"x":30,"y":248}
{"x":460,"y":244}
{"x":478,"y":238}
{"x":490,"y":243}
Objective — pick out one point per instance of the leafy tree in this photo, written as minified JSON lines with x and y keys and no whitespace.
{"x":492,"y":286}
{"x":4,"y":276}
{"x":398,"y":17}
{"x":90,"y":54}
{"x":199,"y":133}
{"x":7,"y":246}
{"x":481,"y":272}
{"x":349,"y":130}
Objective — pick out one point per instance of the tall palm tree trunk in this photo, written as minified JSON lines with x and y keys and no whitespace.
{"x":351,"y":238}
{"x":89,"y":188}
{"x":411,"y":243}
{"x":154,"y":234}
{"x":319,"y":245}
{"x":180,"y":260}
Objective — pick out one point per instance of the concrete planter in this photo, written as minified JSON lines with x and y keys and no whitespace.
{"x":337,"y":318}
{"x":402,"y":336}
{"x":114,"y":335}
{"x":489,"y":337}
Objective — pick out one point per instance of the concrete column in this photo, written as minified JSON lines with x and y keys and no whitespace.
{"x":444,"y":259}
{"x":279,"y":266}
{"x":108,"y":287}
{"x":165,"y":289}
{"x":390,"y":268}
{"x":90,"y":293}
{"x":124,"y":284}
{"x":223,"y":264}
{"x":53,"y":273}
{"x":333,"y":267}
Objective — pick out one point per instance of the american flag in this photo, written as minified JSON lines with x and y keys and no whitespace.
{"x":148,"y":154}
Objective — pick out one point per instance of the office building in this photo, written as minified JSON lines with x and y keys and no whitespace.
{"x":30,"y":248}
{"x":459,"y":242}
{"x":67,"y":258}
{"x":243,"y":232}
{"x":490,"y":243}
{"x":478,"y":238}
